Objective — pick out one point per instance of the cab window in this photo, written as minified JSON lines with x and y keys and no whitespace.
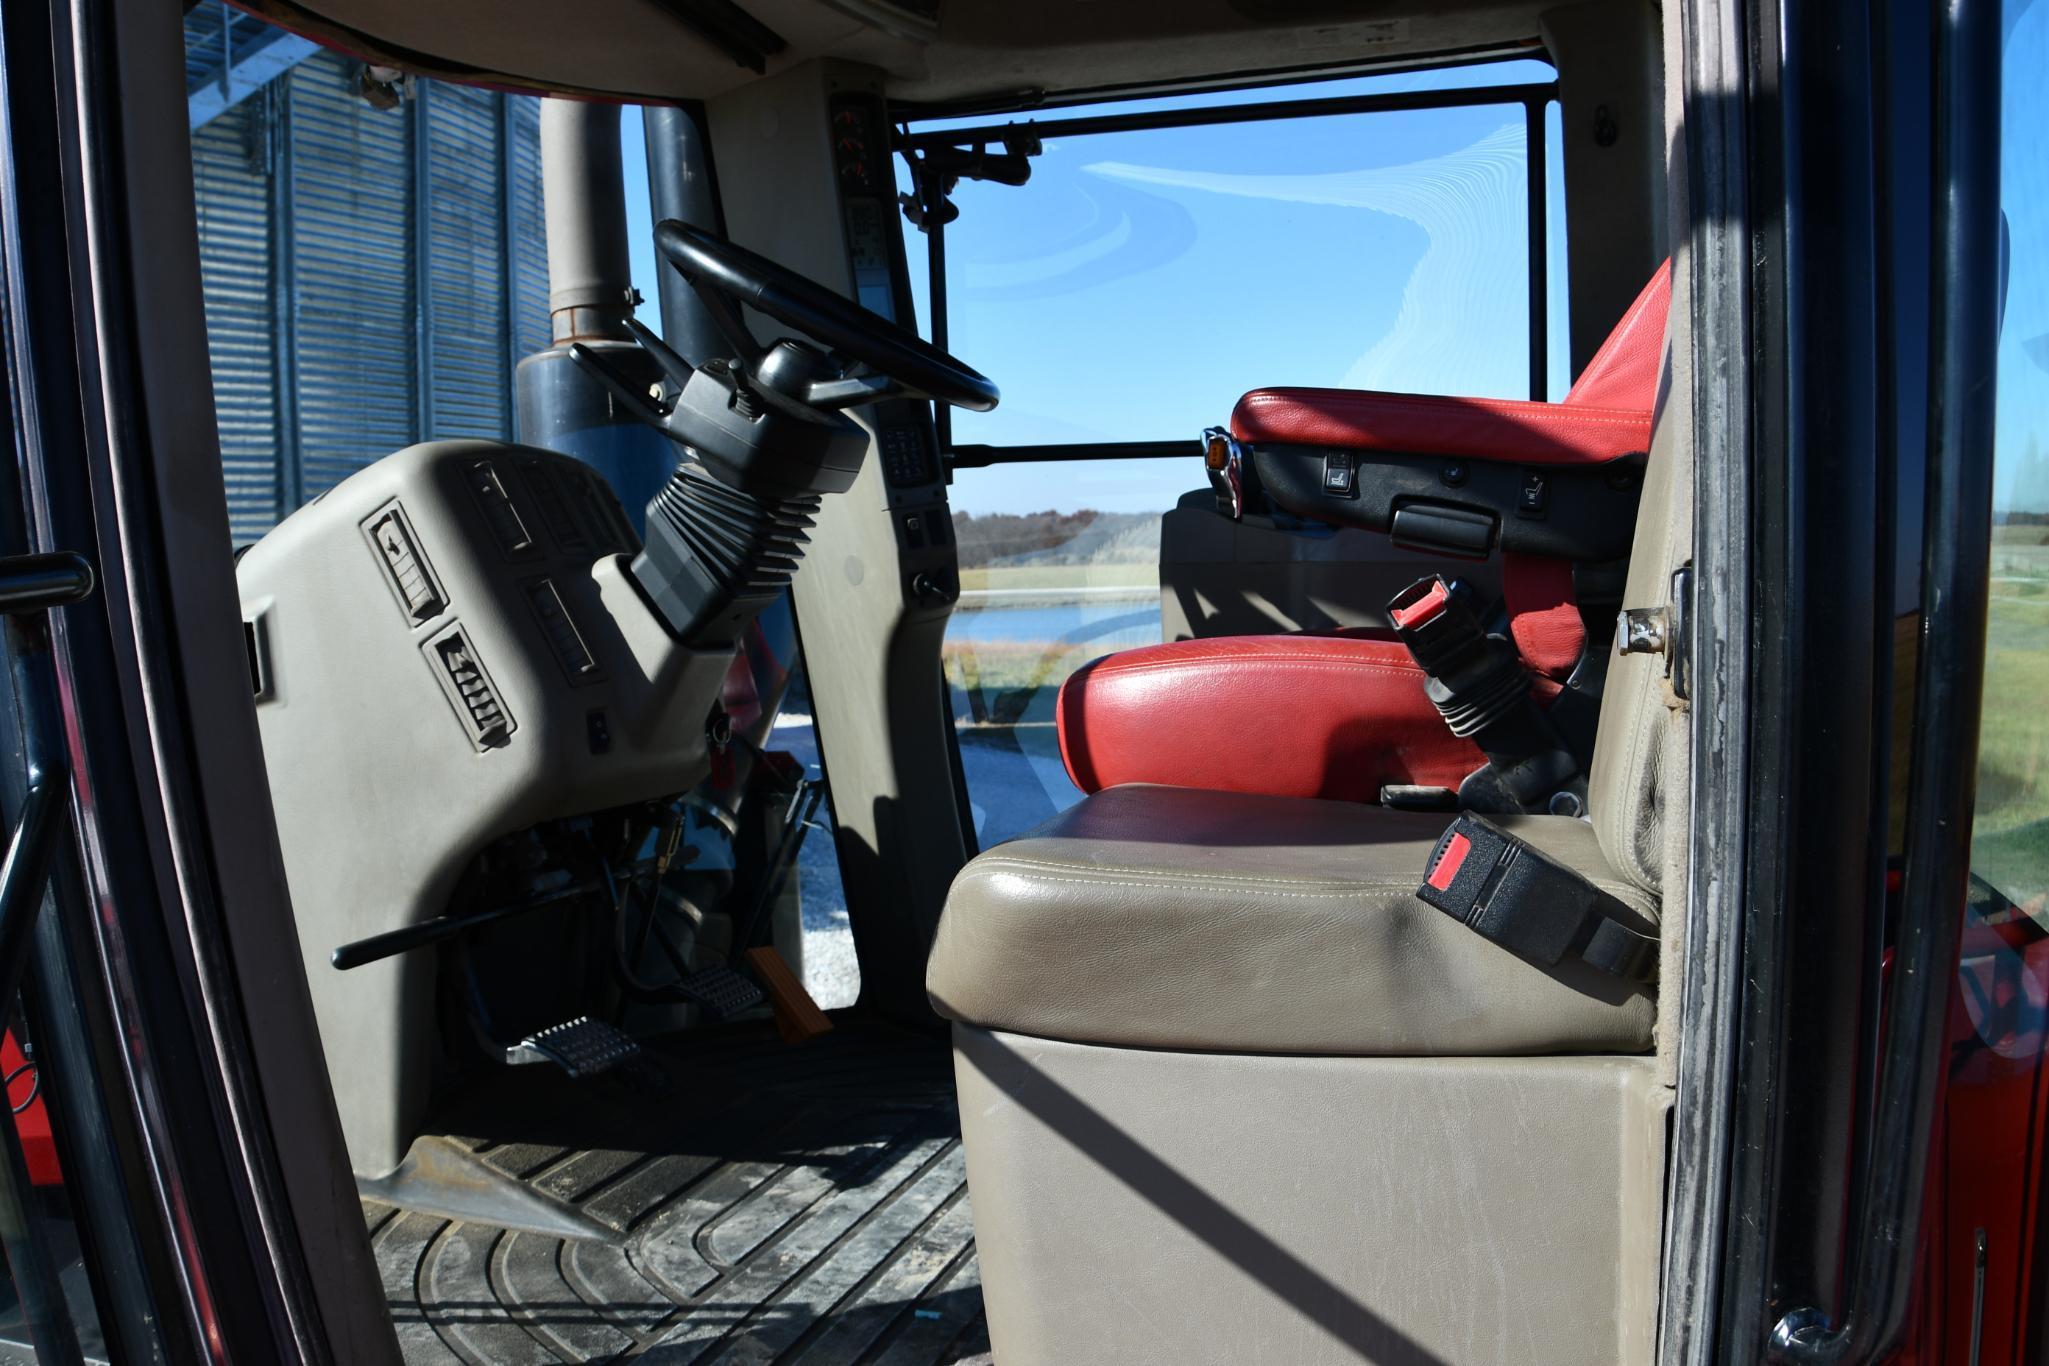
{"x":1372,"y":233}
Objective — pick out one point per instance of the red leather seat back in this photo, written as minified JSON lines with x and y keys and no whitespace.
{"x":1606,"y":414}
{"x":1624,"y":372}
{"x":1543,"y":614}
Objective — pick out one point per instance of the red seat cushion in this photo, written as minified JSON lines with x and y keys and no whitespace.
{"x":1293,"y":716}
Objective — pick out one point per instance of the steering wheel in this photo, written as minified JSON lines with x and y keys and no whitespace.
{"x":870,"y":357}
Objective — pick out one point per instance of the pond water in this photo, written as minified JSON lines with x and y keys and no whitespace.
{"x":1114,"y":624}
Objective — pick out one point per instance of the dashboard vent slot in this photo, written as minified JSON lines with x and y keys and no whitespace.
{"x":507,"y":526}
{"x":556,"y":513}
{"x":563,"y":637}
{"x":405,"y":568}
{"x":460,"y":671}
{"x":601,"y":507}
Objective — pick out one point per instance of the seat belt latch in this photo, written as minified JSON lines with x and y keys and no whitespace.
{"x":1479,"y":686}
{"x":1522,"y":899}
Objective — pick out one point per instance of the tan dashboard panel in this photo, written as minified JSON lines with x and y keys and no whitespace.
{"x":448,"y":649}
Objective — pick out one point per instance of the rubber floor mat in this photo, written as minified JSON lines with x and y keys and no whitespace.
{"x":729,"y":1199}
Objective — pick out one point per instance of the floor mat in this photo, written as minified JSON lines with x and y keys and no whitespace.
{"x":728,"y":1200}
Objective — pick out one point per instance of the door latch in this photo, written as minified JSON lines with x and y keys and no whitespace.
{"x":1663,"y":631}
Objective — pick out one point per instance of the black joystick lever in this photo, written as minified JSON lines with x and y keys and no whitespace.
{"x":765,"y":428}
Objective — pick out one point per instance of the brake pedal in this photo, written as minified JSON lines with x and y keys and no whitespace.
{"x":721,"y":991}
{"x":582,"y":1047}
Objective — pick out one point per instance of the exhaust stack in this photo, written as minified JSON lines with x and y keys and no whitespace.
{"x":590,"y":277}
{"x":558,"y":405}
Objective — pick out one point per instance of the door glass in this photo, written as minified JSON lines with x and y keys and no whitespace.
{"x":812,"y":895}
{"x":1995,"y":1103}
{"x":1059,"y":563}
{"x":2010,"y":847}
{"x":46,"y":1241}
{"x":1176,"y":268}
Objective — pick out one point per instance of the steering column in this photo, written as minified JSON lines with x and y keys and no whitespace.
{"x":765,"y":428}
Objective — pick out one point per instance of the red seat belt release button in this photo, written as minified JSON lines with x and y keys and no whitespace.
{"x":1431,"y":597}
{"x":1450,"y":858}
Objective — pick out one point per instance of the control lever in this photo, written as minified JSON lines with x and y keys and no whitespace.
{"x":427,"y":933}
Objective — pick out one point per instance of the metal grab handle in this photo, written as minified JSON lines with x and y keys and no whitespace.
{"x":26,"y":873}
{"x":36,"y":583}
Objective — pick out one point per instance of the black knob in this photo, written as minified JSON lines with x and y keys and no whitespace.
{"x":934,"y":590}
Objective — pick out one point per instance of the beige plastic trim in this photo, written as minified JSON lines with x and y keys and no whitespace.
{"x":436,"y":680}
{"x":1146,"y":1207}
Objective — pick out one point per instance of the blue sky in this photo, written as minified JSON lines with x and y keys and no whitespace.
{"x":2024,"y":335}
{"x":1142,"y":281}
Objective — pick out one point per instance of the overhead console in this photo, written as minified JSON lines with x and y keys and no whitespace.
{"x":1462,"y":477}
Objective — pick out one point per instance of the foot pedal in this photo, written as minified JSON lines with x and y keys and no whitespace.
{"x":582,"y":1047}
{"x":797,"y":1016}
{"x":721,"y":991}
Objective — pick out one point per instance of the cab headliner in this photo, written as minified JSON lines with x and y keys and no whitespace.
{"x":993,"y":53}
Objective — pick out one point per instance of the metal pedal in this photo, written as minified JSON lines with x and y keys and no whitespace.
{"x":721,"y":991}
{"x":582,"y":1047}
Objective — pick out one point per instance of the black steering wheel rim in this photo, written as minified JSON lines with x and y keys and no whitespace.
{"x":713,"y":265}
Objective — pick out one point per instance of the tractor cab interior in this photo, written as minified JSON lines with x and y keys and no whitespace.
{"x":1323,"y":1019}
{"x":1327,"y":1014}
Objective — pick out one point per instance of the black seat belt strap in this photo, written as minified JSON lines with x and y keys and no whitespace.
{"x":1525,"y":901}
{"x":1479,"y":686}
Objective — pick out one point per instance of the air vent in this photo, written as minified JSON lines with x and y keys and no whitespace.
{"x":556,"y":512}
{"x":405,"y":568}
{"x":460,"y":671}
{"x":496,"y":504}
{"x":563,"y":637}
{"x":602,"y":511}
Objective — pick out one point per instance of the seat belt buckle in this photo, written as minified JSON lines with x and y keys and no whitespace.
{"x":1435,"y":620}
{"x":1522,"y":899}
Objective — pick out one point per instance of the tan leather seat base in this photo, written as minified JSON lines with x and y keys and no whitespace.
{"x":1161,"y":917}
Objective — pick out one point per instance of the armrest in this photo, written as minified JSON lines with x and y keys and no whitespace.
{"x":1492,"y":429}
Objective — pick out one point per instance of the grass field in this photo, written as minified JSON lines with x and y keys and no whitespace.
{"x":2011,"y":844}
{"x":1009,"y":681}
{"x":1058,"y":576}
